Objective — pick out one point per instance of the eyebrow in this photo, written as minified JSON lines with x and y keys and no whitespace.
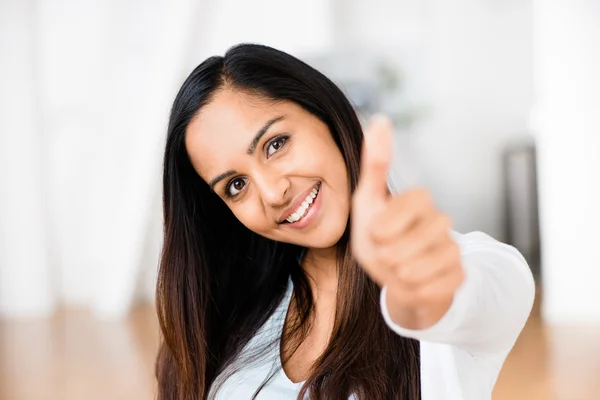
{"x":250,"y":151}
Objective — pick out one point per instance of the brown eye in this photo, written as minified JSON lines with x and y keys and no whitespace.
{"x":236,"y":186}
{"x":276,"y":145}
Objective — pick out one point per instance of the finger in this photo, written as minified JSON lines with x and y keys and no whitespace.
{"x":440,"y":288}
{"x":376,"y":159}
{"x":429,"y":267}
{"x":402,"y":212}
{"x":392,"y":257}
{"x":427,"y":235}
{"x":433,"y":291}
{"x":388,"y":259}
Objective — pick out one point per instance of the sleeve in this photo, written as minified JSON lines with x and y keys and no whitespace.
{"x":490,"y":308}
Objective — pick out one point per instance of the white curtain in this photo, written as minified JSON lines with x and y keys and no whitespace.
{"x":86,"y":88}
{"x":24,"y":272}
{"x":84,"y":108}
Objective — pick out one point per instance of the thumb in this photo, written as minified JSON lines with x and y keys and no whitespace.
{"x":376,"y":159}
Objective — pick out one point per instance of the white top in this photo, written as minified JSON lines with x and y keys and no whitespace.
{"x":461,"y":355}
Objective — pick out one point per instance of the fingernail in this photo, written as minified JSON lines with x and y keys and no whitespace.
{"x":381,"y":119}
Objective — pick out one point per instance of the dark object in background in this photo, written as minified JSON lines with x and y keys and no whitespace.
{"x":521,"y":202}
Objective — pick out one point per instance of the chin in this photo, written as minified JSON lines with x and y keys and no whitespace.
{"x":323,"y":239}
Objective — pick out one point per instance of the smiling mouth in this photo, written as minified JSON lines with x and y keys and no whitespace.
{"x":307,"y":203}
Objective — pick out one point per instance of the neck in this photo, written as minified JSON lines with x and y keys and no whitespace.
{"x":320,"y":266}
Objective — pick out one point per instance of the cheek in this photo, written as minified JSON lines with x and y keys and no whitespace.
{"x":324,"y":157}
{"x":247,"y":218}
{"x":339,"y":174}
{"x":251,"y":217}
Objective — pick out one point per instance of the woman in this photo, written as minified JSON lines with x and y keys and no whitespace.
{"x":286,"y":275}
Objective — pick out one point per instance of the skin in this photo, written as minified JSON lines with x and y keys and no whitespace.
{"x":401,"y":241}
{"x":269,"y":180}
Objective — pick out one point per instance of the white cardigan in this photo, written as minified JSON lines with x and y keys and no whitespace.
{"x":461,"y":355}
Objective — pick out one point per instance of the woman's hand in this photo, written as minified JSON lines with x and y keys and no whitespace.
{"x":402,"y":241}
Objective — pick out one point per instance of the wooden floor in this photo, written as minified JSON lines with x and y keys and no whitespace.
{"x":73,"y":356}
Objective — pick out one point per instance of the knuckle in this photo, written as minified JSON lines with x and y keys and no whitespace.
{"x":396,"y":203}
{"x":422,"y":195}
{"x":417,"y":198}
{"x":418,"y":191}
{"x":407,"y":277}
{"x":377,"y":231}
{"x":444,"y":220}
{"x":413,"y":281}
{"x":453,"y":250}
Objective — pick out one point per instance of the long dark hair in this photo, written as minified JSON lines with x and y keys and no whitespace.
{"x":218,"y":282}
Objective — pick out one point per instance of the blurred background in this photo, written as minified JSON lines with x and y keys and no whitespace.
{"x":496,"y":107}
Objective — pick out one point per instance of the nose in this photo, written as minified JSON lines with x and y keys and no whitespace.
{"x":273,"y":188}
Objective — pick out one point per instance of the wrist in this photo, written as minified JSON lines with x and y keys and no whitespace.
{"x":416,"y":316}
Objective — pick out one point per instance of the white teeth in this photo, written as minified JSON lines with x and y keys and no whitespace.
{"x":299,"y":213}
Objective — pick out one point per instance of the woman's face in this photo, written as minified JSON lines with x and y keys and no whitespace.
{"x":275,"y":165}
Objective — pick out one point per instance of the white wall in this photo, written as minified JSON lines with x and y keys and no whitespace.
{"x":482,"y":92}
{"x":470,"y":62}
{"x":302,"y":27}
{"x":567,"y":125}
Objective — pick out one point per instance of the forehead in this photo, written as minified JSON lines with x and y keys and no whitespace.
{"x":224,"y":128}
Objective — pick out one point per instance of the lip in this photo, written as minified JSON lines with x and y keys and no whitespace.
{"x":311,"y":214}
{"x":295,"y":204}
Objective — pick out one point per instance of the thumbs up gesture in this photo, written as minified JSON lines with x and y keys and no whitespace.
{"x":402,"y":241}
